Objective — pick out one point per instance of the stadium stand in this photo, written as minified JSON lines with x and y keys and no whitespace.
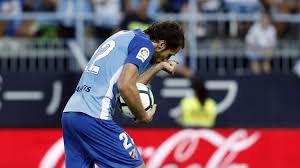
{"x":221,"y":53}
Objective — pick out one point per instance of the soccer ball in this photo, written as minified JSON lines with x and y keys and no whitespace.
{"x":147,"y":100}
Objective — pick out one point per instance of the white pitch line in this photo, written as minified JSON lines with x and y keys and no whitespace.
{"x":23,"y":95}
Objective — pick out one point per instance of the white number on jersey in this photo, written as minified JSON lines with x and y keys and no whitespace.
{"x":126,"y":144}
{"x":101,"y":52}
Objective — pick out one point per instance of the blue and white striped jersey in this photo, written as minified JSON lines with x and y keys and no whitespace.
{"x":97,"y":89}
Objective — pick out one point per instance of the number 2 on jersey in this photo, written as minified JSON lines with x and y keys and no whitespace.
{"x":101,"y":52}
{"x":126,"y":143}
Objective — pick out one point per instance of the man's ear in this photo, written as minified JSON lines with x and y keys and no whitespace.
{"x":161,"y":45}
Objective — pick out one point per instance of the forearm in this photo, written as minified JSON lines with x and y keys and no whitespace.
{"x":147,"y":76}
{"x":129,"y":92}
{"x":250,"y":46}
{"x":133,"y":101}
{"x":183,"y":71}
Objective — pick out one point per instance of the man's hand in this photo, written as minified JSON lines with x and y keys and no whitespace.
{"x":150,"y":115}
{"x":169,"y":66}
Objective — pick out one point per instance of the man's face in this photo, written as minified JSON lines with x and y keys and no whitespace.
{"x":163,"y":55}
{"x":265,"y":21}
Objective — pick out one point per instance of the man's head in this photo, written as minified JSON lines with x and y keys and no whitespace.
{"x":167,"y":38}
{"x":265,"y":20}
{"x":200,"y":90}
{"x":143,"y":8}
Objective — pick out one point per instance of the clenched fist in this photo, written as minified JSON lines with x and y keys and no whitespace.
{"x":169,"y":66}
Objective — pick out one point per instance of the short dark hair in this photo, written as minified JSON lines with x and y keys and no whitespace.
{"x":200,"y":90}
{"x":170,"y":31}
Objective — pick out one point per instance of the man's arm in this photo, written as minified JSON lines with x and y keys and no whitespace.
{"x":129,"y":92}
{"x":168,"y":66}
{"x":184,"y":71}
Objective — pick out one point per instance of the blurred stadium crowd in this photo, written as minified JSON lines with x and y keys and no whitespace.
{"x":221,"y":29}
{"x":111,"y":15}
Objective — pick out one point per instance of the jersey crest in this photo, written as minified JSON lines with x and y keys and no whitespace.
{"x":143,"y":54}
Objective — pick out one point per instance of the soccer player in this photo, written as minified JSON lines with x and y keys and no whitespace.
{"x":90,"y":135}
